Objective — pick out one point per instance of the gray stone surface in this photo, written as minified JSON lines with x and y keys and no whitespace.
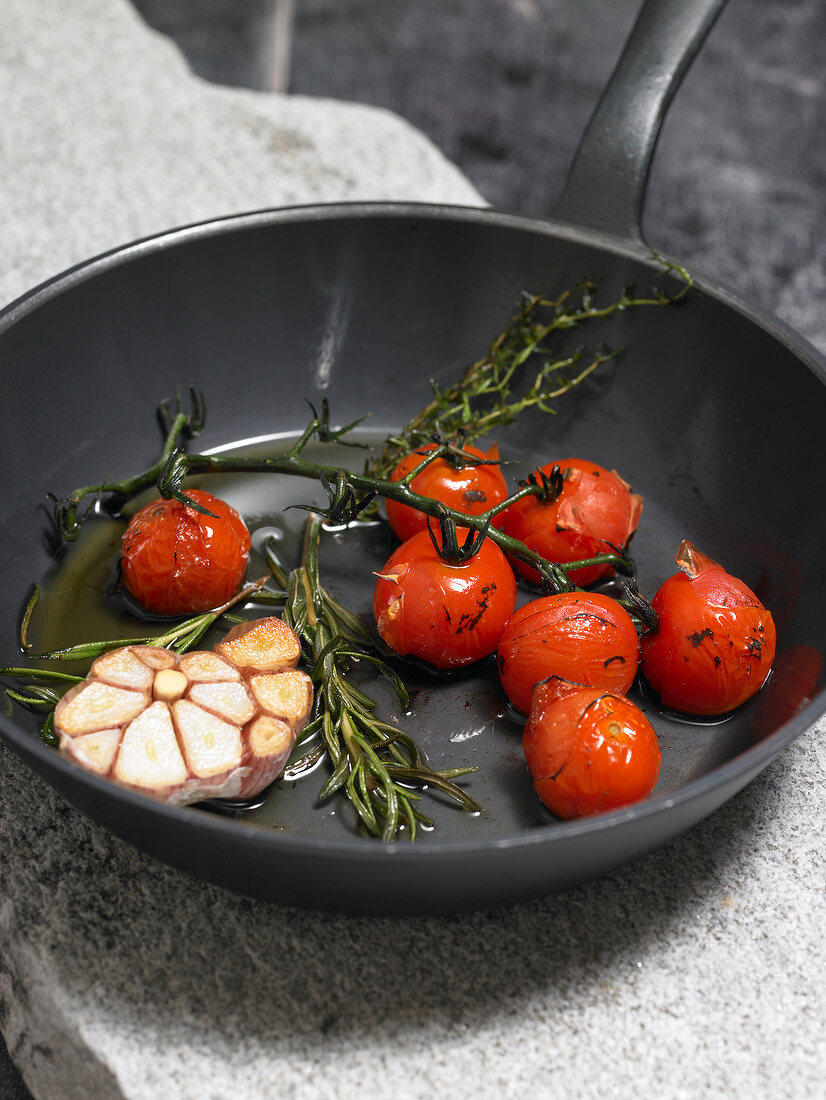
{"x":699,"y":971}
{"x":108,"y":137}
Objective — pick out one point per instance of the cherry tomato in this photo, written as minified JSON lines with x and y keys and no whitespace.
{"x":449,"y":615}
{"x":581,"y":636}
{"x":588,"y":750}
{"x":716,"y":642}
{"x":176,"y":560}
{"x":468,"y":489}
{"x":594,"y":511}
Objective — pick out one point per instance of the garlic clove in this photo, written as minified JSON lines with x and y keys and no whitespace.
{"x":94,"y":705}
{"x":229,"y":701}
{"x":169,"y":685}
{"x":124,"y":668}
{"x":201,"y":664}
{"x":94,"y":751}
{"x":211,"y":746}
{"x":149,"y":755}
{"x":287,"y":695}
{"x":270,"y":741}
{"x":268,"y":736}
{"x":154,"y":656}
{"x":263,"y":645}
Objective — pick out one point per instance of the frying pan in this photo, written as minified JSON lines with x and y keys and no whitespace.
{"x":711,"y":412}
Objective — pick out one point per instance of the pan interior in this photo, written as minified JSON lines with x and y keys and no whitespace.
{"x":710,"y":417}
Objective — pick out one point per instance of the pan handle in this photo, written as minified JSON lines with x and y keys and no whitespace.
{"x":606,"y":184}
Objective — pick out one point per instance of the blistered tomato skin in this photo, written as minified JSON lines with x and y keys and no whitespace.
{"x":468,"y":489}
{"x":175,"y":560}
{"x":581,"y":636}
{"x":448,"y":615}
{"x":589,"y":751}
{"x":715,"y":644}
{"x":594,"y":513}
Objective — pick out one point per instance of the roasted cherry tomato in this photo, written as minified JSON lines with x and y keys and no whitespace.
{"x":446,"y":614}
{"x":592,"y":511}
{"x":581,"y":636}
{"x":468,"y":489}
{"x":176,"y":560}
{"x":715,"y":644}
{"x":588,"y":750}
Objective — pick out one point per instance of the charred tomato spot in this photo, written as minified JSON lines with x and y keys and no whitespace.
{"x":468,"y":622}
{"x":474,"y":496}
{"x":699,"y":635}
{"x":618,"y":657}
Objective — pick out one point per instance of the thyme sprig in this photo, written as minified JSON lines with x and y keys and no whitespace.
{"x":376,"y":765}
{"x":482,"y":397}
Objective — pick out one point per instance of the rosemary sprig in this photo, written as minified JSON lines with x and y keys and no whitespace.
{"x":374,"y":764}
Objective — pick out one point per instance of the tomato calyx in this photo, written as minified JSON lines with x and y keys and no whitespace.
{"x":638,"y":606}
{"x":549,"y":484}
{"x":452,"y":450}
{"x":449,"y":548}
{"x":345,"y":503}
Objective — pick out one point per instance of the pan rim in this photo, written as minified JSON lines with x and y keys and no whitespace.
{"x":29,"y":300}
{"x":742,"y":767}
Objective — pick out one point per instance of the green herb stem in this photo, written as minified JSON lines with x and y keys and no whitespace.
{"x":373,"y":764}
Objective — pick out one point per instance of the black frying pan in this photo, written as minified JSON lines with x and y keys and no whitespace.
{"x":713,"y":413}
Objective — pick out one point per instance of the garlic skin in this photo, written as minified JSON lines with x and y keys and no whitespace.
{"x":203,"y":724}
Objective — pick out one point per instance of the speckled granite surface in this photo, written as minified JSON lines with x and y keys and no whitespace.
{"x":699,"y":971}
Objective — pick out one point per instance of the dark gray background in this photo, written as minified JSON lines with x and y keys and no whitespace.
{"x":505,"y":87}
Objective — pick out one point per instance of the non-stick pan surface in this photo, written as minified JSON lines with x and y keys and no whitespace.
{"x":712,"y":412}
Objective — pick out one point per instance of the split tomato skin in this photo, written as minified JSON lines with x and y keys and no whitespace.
{"x":449,"y":615}
{"x":715,"y":644}
{"x":470,"y":489}
{"x":581,"y":636}
{"x":175,"y":560}
{"x":594,"y":513}
{"x":588,"y":751}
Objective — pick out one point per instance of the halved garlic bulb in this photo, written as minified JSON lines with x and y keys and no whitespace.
{"x":203,"y":724}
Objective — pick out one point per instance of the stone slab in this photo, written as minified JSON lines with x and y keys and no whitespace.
{"x":698,"y":971}
{"x":108,"y":137}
